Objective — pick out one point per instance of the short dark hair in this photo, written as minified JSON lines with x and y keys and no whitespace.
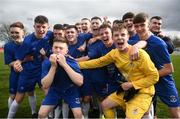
{"x":71,"y":26}
{"x":17,"y":24}
{"x":105,"y":26}
{"x":78,"y":23}
{"x":65,"y":26}
{"x":58,"y":27}
{"x":128,"y":15}
{"x":117,"y":21}
{"x":41,"y":19}
{"x":140,"y":18}
{"x":156,"y":17}
{"x":85,"y":19}
{"x":95,"y":17}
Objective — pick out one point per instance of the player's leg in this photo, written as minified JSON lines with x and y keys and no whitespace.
{"x":138,"y":106}
{"x":32,"y":103}
{"x":65,"y":110}
{"x":169,"y":96}
{"x":77,"y":112}
{"x":15,"y":105}
{"x":13,"y":83}
{"x":72,"y":98}
{"x":44,"y":110}
{"x":109,"y":103}
{"x":50,"y":101}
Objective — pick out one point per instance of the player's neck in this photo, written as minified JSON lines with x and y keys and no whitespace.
{"x":109,"y":44}
{"x":72,"y":42}
{"x":146,"y":35}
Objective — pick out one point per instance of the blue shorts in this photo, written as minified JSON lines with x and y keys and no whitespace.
{"x":167,"y":92}
{"x":26,"y":85}
{"x":104,"y":90}
{"x":86,"y":88}
{"x":13,"y":82}
{"x":70,"y":96}
{"x":38,"y":81}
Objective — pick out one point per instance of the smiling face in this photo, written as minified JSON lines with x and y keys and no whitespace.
{"x":142,"y":29}
{"x":17,"y":34}
{"x":71,"y":35}
{"x":120,"y":38}
{"x":85,"y":25}
{"x":129,"y":24}
{"x":155,"y":25}
{"x":95,"y":24}
{"x":106,"y":36}
{"x":79,"y":27}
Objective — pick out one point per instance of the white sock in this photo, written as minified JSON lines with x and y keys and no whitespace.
{"x":32,"y":103}
{"x":85,"y":109}
{"x":57,"y":111}
{"x":51,"y":114}
{"x":10,"y":100}
{"x":65,"y":110}
{"x":100,"y":110}
{"x":150,"y":113}
{"x":13,"y":109}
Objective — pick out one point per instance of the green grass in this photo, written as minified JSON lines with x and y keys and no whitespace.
{"x":24,"y":109}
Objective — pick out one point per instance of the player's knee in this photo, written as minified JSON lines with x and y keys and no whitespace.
{"x":42,"y":114}
{"x":19,"y":99}
{"x":103,"y":105}
{"x":78,"y":115}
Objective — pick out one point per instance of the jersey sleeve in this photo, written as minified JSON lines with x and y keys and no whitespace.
{"x":45,"y":68}
{"x":163,"y":54}
{"x":92,"y":51}
{"x":96,"y":63}
{"x":8,"y":55}
{"x":73,"y":64}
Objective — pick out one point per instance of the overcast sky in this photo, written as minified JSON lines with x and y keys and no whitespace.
{"x":71,"y":11}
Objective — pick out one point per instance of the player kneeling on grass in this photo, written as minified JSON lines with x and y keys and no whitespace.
{"x":62,"y":76}
{"x":141,"y":75}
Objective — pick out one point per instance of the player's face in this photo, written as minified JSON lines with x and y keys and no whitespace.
{"x":106,"y":35}
{"x":129,"y":24}
{"x":71,"y":35}
{"x":79,"y":28}
{"x":142,"y":29}
{"x":41,"y":29}
{"x":95,"y":24}
{"x":17,"y":34}
{"x":85,"y":24}
{"x":120,"y":39}
{"x":58,"y":33}
{"x":60,"y":48}
{"x":155,"y":25}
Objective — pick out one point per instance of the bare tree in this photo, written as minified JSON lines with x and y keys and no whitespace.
{"x":4,"y":32}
